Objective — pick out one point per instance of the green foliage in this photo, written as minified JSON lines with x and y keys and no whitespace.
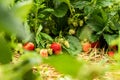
{"x":7,"y":3}
{"x":61,"y":7}
{"x":19,"y":70}
{"x":84,"y":33}
{"x":42,"y":39}
{"x":5,"y":52}
{"x":109,"y":38}
{"x":10,"y":23}
{"x":21,"y":9}
{"x":63,"y":64}
{"x":75,"y":46}
{"x":78,"y":69}
{"x":61,"y":10}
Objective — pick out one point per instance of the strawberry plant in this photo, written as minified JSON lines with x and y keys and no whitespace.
{"x":32,"y":31}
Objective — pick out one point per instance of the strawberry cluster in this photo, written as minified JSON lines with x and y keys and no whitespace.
{"x":54,"y":48}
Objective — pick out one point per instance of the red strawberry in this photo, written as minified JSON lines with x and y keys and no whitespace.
{"x":86,"y":47}
{"x":29,"y":46}
{"x":95,"y":44}
{"x":44,"y":52}
{"x":114,"y":47}
{"x":111,"y":53}
{"x":56,"y":48}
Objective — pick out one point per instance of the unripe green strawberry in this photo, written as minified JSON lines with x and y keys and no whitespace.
{"x":61,"y":40}
{"x":85,"y":18}
{"x":70,"y":20}
{"x":50,"y":51}
{"x":81,"y":23}
{"x":48,"y":46}
{"x":37,"y":50}
{"x":56,"y":48}
{"x":72,"y":31}
{"x":75,"y":23}
{"x":66,"y":43}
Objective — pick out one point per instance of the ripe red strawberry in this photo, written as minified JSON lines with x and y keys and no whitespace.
{"x":95,"y":44}
{"x":56,"y":48}
{"x":86,"y":47}
{"x":44,"y":52}
{"x":29,"y":46}
{"x":111,"y":53}
{"x":114,"y":47}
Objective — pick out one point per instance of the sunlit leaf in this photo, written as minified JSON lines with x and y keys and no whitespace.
{"x":10,"y":23}
{"x":65,"y":64}
{"x":32,"y":57}
{"x":80,"y":4}
{"x":5,"y":52}
{"x":6,"y":3}
{"x":105,"y":3}
{"x":21,"y":9}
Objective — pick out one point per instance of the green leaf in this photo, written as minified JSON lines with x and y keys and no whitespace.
{"x":6,"y":3}
{"x":104,"y":15}
{"x":75,"y":46}
{"x":32,"y":57}
{"x":29,"y":75}
{"x":112,"y":25}
{"x":84,"y":33}
{"x":88,"y":10}
{"x":5,"y":52}
{"x":46,"y":36}
{"x":39,"y":29}
{"x":109,"y":38}
{"x":96,"y":21}
{"x":20,"y":69}
{"x":80,"y":4}
{"x":59,"y":2}
{"x":63,"y":63}
{"x":21,"y":9}
{"x":61,"y":10}
{"x":115,"y":41}
{"x":104,"y":3}
{"x":107,"y":29}
{"x":10,"y":23}
{"x":48,"y":10}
